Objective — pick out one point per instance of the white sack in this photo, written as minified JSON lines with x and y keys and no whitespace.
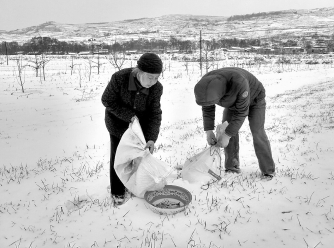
{"x":135,"y":166}
{"x":205,"y":165}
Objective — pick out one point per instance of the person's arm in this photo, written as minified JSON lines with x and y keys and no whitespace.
{"x":208,"y":113}
{"x":241,"y":108}
{"x":111,"y":99}
{"x":154,"y":115}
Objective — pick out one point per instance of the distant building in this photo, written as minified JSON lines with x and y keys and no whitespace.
{"x":85,"y":53}
{"x":101,"y":51}
{"x":131,"y":52}
{"x":292,"y":50}
{"x":254,"y":49}
{"x":153,"y":50}
{"x":236,"y":50}
{"x":319,"y":46}
{"x":278,"y":50}
{"x":172,"y":51}
{"x":318,"y":49}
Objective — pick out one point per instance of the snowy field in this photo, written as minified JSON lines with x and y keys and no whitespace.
{"x":54,"y":168}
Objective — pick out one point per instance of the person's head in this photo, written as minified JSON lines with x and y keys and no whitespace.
{"x":148,"y":70}
{"x":209,"y":90}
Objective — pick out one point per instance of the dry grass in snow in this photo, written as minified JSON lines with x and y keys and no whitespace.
{"x":54,"y":169}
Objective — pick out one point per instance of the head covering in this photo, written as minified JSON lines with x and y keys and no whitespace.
{"x":209,"y":90}
{"x":150,"y":63}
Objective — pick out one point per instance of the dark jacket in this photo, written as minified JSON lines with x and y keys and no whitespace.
{"x":229,"y":87}
{"x":123,"y":99}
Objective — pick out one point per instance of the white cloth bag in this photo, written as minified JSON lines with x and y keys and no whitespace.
{"x":135,"y":166}
{"x":206,"y":164}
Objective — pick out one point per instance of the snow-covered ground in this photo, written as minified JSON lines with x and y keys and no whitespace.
{"x":54,"y":169}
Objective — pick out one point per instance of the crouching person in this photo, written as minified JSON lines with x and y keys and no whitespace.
{"x":132,"y":92}
{"x":241,"y":95}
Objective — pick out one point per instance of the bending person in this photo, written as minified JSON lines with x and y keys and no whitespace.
{"x":241,"y":95}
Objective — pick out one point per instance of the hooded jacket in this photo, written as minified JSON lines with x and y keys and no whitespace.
{"x":229,"y":87}
{"x":123,"y":100}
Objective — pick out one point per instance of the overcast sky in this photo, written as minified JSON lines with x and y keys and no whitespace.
{"x":16,"y":14}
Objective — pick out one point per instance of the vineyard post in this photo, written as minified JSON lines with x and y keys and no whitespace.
{"x":6,"y":51}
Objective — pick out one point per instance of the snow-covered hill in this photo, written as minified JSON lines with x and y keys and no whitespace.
{"x":289,"y":23}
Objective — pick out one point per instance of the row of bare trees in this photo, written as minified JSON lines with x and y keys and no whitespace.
{"x":209,"y":61}
{"x":38,"y":64}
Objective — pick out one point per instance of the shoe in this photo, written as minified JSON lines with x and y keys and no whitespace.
{"x":267,"y":176}
{"x":233,"y":170}
{"x":121,"y":199}
{"x":118,"y":199}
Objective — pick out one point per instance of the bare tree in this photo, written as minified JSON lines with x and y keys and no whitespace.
{"x":36,"y":64}
{"x":164,"y":68}
{"x":186,"y":65}
{"x":169,"y":61}
{"x":217,"y":59}
{"x":116,"y":59}
{"x":39,"y":63}
{"x":72,"y":65}
{"x":44,"y":61}
{"x":90,"y":66}
{"x":80,"y":77}
{"x":20,"y":67}
{"x":98,"y":64}
{"x":208,"y":60}
{"x":2,"y":61}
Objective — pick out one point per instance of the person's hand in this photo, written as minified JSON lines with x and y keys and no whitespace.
{"x":211,"y":138}
{"x":223,"y":140}
{"x":150,"y":146}
{"x":133,"y":118}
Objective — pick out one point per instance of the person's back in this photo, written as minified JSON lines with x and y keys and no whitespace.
{"x":233,"y":74}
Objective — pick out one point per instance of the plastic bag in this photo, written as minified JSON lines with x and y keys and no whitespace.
{"x":135,"y":166}
{"x":202,"y":166}
{"x":206,"y":164}
{"x":220,"y":129}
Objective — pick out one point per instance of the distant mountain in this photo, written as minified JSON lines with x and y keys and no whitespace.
{"x":287,"y":24}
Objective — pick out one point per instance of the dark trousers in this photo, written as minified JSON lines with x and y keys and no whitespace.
{"x":116,"y":185}
{"x":256,"y":118}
